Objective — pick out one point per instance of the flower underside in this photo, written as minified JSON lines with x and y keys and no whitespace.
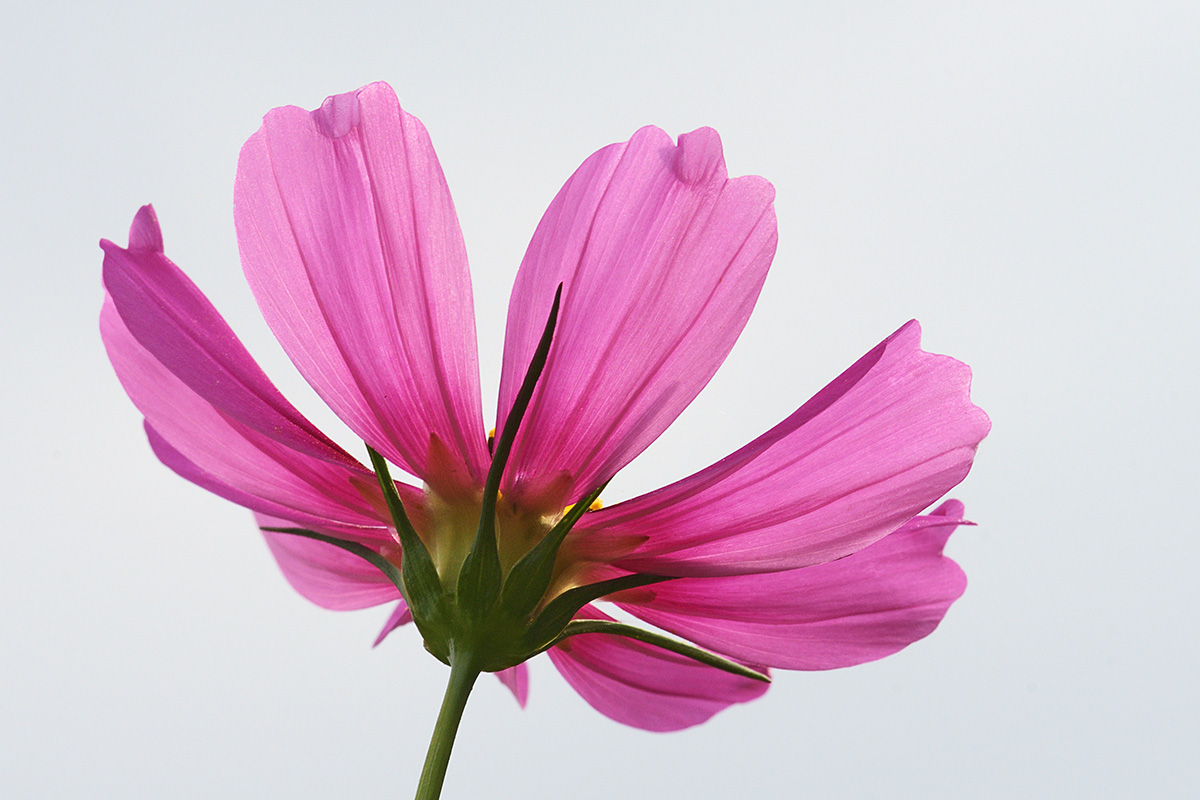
{"x":475,"y":606}
{"x":809,"y":548}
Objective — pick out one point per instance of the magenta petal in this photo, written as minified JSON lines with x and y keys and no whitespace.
{"x":233,"y":460}
{"x":644,"y":686}
{"x":327,"y":575}
{"x":884,"y":440}
{"x":856,"y":609}
{"x":517,"y":680}
{"x":662,"y":258}
{"x":401,"y":615}
{"x":350,"y":242}
{"x":178,"y":326}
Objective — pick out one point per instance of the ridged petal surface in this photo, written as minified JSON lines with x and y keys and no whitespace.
{"x":351,"y":245}
{"x":327,"y":575}
{"x":211,"y":414}
{"x":884,"y":440}
{"x":178,"y":326}
{"x":859,"y":608}
{"x":661,"y":257}
{"x":645,"y":686}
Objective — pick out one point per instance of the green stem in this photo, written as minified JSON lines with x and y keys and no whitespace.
{"x":463,"y":673}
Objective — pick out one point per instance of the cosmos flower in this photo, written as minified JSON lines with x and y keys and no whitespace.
{"x":802,"y":550}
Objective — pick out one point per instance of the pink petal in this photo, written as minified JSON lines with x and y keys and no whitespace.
{"x":517,"y":680}
{"x":178,"y":326}
{"x":662,"y":258}
{"x":856,"y":609}
{"x":884,"y":440}
{"x":644,"y":686}
{"x":236,"y":461}
{"x":401,"y":615}
{"x":327,"y":575}
{"x":350,"y":242}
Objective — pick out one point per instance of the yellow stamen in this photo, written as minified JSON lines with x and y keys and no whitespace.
{"x":596,"y":505}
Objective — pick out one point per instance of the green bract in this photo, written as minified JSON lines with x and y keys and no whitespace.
{"x":481,"y":616}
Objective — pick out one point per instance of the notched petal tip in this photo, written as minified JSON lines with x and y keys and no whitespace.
{"x":338,"y":115}
{"x":938,"y":525}
{"x":699,"y":157}
{"x":352,"y":249}
{"x":952,"y":510}
{"x":144,"y":233}
{"x":956,"y":371}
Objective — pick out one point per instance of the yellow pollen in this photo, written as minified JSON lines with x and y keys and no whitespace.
{"x":596,"y":505}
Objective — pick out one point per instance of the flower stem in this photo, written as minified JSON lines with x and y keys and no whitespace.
{"x":463,"y":673}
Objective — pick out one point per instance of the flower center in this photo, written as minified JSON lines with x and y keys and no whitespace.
{"x":450,"y":528}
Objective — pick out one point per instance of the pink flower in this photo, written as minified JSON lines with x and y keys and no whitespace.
{"x":799,"y":551}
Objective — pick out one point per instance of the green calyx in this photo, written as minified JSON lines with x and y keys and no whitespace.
{"x":487,"y":617}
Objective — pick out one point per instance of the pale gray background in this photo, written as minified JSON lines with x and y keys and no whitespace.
{"x":1024,"y":178}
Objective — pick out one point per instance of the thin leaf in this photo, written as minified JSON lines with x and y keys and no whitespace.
{"x":421,"y":587}
{"x":530,"y":577}
{"x":577,"y":627}
{"x":559,"y":611}
{"x":480,"y":576}
{"x":360,"y":550}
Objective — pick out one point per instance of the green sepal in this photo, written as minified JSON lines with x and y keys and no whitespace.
{"x":530,"y":577}
{"x":421,"y":586}
{"x":576,"y":627}
{"x":360,"y":550}
{"x":480,"y":577}
{"x":557,"y":614}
